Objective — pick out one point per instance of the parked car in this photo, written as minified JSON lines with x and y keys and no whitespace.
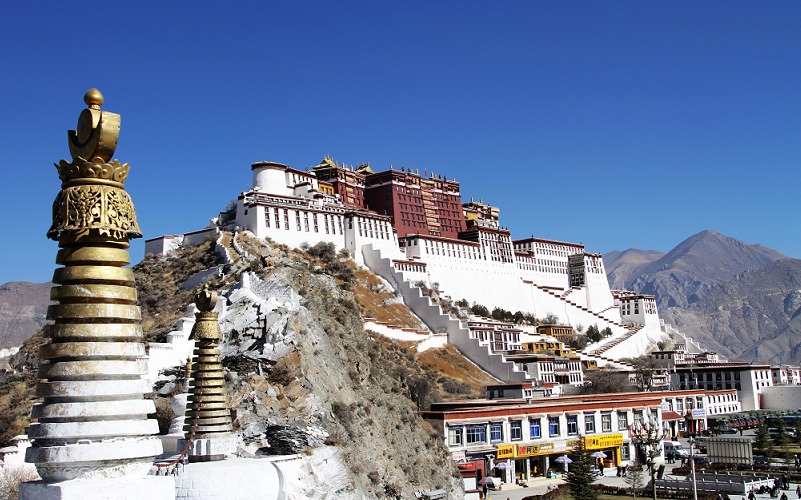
{"x":760,"y":461}
{"x":700,"y":461}
{"x":677,"y":449}
{"x":773,"y":432}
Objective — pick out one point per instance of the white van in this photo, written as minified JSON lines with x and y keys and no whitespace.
{"x":676,"y":448}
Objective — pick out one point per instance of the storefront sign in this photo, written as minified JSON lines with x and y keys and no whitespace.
{"x":458,"y":456}
{"x":505,"y":451}
{"x":699,"y":413}
{"x":529,"y":450}
{"x":605,"y":441}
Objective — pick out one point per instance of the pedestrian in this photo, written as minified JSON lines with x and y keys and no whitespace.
{"x":783,"y":497}
{"x":751,"y":495}
{"x":618,"y":471}
{"x":798,"y":491}
{"x":797,"y":460}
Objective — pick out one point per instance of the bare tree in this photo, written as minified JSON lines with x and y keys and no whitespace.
{"x":647,"y":436}
{"x":645,"y":370}
{"x":605,"y":382}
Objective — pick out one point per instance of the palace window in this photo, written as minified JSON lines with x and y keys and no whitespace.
{"x":572,"y":425}
{"x":455,"y":436}
{"x":496,"y":432}
{"x":606,"y":422}
{"x":476,"y":434}
{"x":589,"y":424}
{"x":516,"y":430}
{"x":553,"y":426}
{"x":534,"y":428}
{"x":622,"y":421}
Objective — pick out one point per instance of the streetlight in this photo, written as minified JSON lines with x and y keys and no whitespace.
{"x":688,"y":417}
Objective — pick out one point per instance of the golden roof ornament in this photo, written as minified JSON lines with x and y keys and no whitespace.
{"x":93,"y":203}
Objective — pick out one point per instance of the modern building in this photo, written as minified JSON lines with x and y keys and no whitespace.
{"x":529,"y":436}
{"x":747,"y":379}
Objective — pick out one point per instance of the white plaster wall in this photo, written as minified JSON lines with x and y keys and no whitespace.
{"x":288,"y":234}
{"x":163,"y":245}
{"x":250,"y":217}
{"x":270,"y":180}
{"x":599,"y":296}
{"x":636,"y":345}
{"x":432,"y":316}
{"x":375,"y":232}
{"x":198,"y":237}
{"x":786,"y":397}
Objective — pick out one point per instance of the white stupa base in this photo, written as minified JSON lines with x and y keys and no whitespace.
{"x":121,"y":488}
{"x":233,"y":479}
{"x":209,"y":449}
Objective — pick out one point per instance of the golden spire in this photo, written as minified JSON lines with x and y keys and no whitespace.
{"x":208,"y":415}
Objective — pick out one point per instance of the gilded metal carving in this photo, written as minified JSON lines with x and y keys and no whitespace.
{"x":93,"y":203}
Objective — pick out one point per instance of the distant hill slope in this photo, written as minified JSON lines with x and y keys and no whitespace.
{"x":738,"y":299}
{"x":679,"y":277}
{"x":755,"y":317}
{"x":620,"y":266}
{"x":23,"y":307}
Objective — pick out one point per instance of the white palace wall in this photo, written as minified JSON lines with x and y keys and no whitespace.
{"x":463,"y":272}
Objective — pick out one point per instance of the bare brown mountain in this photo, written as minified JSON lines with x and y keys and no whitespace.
{"x":739,"y":299}
{"x":679,"y":277}
{"x":23,"y":307}
{"x":754,"y":317}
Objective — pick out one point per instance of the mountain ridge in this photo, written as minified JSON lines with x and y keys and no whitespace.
{"x":739,"y":299}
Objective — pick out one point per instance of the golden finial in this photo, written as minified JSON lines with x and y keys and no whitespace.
{"x":206,"y":300}
{"x":93,"y":97}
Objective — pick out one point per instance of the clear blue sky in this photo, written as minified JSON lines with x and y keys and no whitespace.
{"x":616,"y":124}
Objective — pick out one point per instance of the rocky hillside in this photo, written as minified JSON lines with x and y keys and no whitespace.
{"x":736,"y":298}
{"x":23,"y":307}
{"x":303,"y":376}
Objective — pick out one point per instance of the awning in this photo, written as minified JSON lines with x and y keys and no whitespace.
{"x":671,"y":415}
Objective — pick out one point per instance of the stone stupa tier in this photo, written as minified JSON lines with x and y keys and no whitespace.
{"x":208,"y":416}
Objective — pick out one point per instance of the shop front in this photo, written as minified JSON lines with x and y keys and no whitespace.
{"x":605,"y":449}
{"x":534,"y":459}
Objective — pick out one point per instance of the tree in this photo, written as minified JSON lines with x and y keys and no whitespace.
{"x":593,"y":334}
{"x":480,"y":310}
{"x":635,"y":478}
{"x":783,"y":441}
{"x":580,"y":475}
{"x":604,"y":381}
{"x":606,"y":332}
{"x":550,"y":319}
{"x":645,"y":367}
{"x":762,"y":440}
{"x":647,"y":436}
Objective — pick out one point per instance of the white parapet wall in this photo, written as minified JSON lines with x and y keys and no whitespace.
{"x":440,"y":323}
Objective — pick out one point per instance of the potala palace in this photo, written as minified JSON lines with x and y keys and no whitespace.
{"x":414,"y":230}
{"x":92,"y":434}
